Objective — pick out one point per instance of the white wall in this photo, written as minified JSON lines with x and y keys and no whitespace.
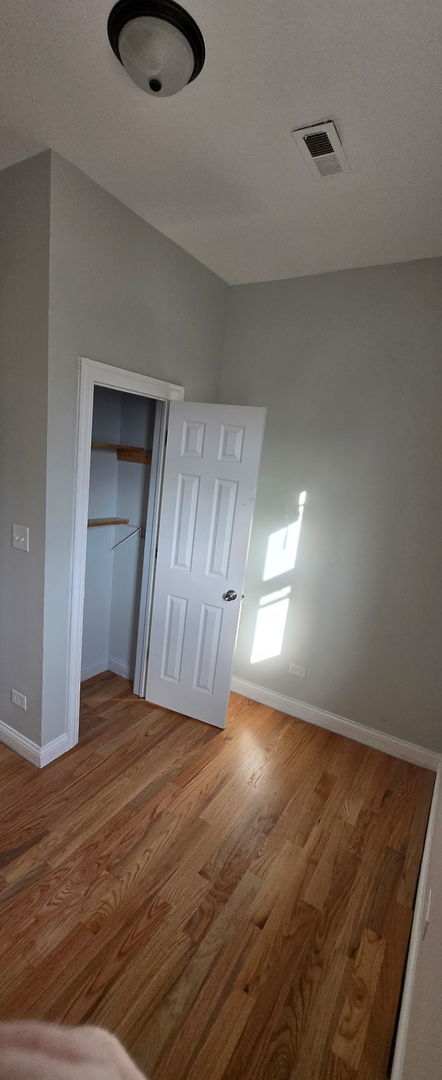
{"x":349,"y":367}
{"x":24,"y":268}
{"x":123,"y":294}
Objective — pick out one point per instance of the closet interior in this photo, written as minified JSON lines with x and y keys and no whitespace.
{"x":121,"y":454}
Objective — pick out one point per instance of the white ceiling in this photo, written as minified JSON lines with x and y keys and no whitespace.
{"x":215,"y":168}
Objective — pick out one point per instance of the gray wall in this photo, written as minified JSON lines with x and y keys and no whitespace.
{"x":123,"y":294}
{"x":349,"y":365}
{"x":24,"y":265}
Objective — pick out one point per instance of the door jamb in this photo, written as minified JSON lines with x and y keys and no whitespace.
{"x":151,"y":538}
{"x":92,"y":373}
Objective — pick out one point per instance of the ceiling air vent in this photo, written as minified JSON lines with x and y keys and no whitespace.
{"x":322,"y":149}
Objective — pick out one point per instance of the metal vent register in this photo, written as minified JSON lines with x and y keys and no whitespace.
{"x":322,"y":149}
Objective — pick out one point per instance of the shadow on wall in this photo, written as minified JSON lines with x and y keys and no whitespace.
{"x":271,"y":617}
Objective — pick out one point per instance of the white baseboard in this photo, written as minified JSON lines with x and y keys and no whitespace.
{"x":417,"y":930}
{"x":95,"y":669}
{"x":119,"y":667}
{"x":27,"y":748}
{"x":379,"y":740}
{"x":110,"y":663}
{"x":54,"y":749}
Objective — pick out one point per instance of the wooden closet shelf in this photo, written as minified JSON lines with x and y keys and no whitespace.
{"x":126,"y":453}
{"x":94,"y":523}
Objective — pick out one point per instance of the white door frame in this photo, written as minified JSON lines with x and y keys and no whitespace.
{"x":92,"y":373}
{"x":151,"y":538}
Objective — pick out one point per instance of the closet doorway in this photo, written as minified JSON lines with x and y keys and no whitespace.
{"x":111,"y":588}
{"x":119,"y":529}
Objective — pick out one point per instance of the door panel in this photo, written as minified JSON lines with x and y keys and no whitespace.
{"x":221,"y":527}
{"x":207,"y":648}
{"x":210,"y":475}
{"x":185,"y":520}
{"x":174,"y":637}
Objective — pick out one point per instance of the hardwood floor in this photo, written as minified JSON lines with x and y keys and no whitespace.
{"x":234,"y":905}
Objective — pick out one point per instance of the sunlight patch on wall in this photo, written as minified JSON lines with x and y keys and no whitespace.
{"x":270,"y":625}
{"x":282,"y":546}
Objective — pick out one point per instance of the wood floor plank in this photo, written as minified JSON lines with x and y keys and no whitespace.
{"x":197,"y":1028}
{"x":225,"y":1032}
{"x":321,"y":881}
{"x":84,"y":994}
{"x":233,"y":904}
{"x":396,"y":934}
{"x":351,"y":1034}
{"x":176,"y":1004}
{"x":252,"y":1048}
{"x":365,"y":780}
{"x":416,"y":837}
{"x":335,"y":971}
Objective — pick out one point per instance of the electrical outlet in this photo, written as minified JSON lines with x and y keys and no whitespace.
{"x":297,"y":669}
{"x":20,"y":537}
{"x":19,"y":699}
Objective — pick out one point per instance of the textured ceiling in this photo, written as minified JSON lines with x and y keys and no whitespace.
{"x":215,"y":168}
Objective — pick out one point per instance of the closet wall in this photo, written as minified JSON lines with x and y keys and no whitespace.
{"x":117,"y":489}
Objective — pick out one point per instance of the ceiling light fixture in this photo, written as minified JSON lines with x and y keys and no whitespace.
{"x":158,"y":43}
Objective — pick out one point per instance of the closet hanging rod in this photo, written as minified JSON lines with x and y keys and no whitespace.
{"x":123,"y":541}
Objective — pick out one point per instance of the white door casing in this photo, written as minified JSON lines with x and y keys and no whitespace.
{"x":152,"y":520}
{"x":209,"y":487}
{"x":93,"y":373}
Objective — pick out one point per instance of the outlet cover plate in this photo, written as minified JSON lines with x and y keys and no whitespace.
{"x":19,"y":699}
{"x":297,"y":669}
{"x":20,"y":537}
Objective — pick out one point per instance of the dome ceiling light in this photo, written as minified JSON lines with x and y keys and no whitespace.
{"x":158,"y":43}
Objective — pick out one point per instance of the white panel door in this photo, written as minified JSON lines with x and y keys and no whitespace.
{"x":210,"y":476}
